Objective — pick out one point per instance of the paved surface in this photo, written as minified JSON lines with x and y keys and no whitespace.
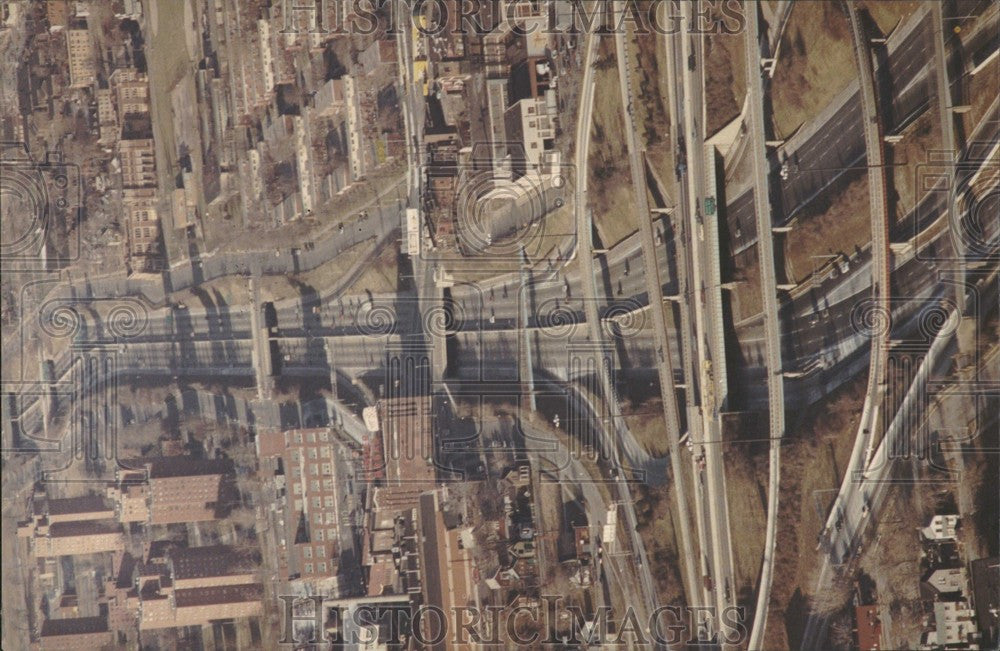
{"x":772,"y":328}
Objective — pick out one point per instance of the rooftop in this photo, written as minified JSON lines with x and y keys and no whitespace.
{"x":188,"y":467}
{"x":215,"y":560}
{"x":84,"y":504}
{"x":75,"y":626}
{"x":82,"y":528}
{"x":226,"y":594}
{"x":869,"y":628}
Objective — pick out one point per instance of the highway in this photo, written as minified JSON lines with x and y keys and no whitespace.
{"x":825,"y":148}
{"x":203,"y":336}
{"x":839,"y":121}
{"x":623,"y":438}
{"x":698,"y":594}
{"x":604,"y":357}
{"x":772,"y":327}
{"x":862,"y":489}
{"x":810,"y":340}
{"x":664,"y":364}
{"x":942,"y":90}
{"x":880,"y":315}
{"x":217,"y":340}
{"x":665,"y":356}
{"x":708,"y":460}
{"x":217,"y":354}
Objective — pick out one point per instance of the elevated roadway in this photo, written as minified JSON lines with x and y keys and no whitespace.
{"x":880,"y":313}
{"x":705,"y":295}
{"x":772,"y":328}
{"x":947,"y":122}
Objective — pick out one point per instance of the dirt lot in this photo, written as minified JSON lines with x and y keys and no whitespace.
{"x":747,"y":300}
{"x":169,"y":61}
{"x":609,"y":185}
{"x":836,"y":221}
{"x":383,"y":186}
{"x":725,"y":79}
{"x":380,"y":276}
{"x":658,"y":530}
{"x":651,"y":115}
{"x":909,"y":159}
{"x":887,"y":13}
{"x":816,"y":62}
{"x":645,"y":421}
{"x":746,"y":489}
{"x":548,"y":243}
{"x":234,"y":291}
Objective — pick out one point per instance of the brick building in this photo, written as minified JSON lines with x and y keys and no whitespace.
{"x":80,"y":53}
{"x":205,"y":567}
{"x":131,"y":497}
{"x":306,"y":476}
{"x":71,"y":526}
{"x":183,"y":489}
{"x":170,"y":490}
{"x":75,"y":633}
{"x":176,"y":586}
{"x":139,"y":206}
{"x":169,"y":608}
{"x":131,"y":89}
{"x":87,"y":507}
{"x":75,"y":538}
{"x":137,"y":157}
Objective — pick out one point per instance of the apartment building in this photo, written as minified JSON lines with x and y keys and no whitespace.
{"x":139,"y":206}
{"x":206,"y":567}
{"x":75,"y":538}
{"x":75,"y":633}
{"x":305,"y":472}
{"x":138,"y":162}
{"x":81,"y":56}
{"x":131,"y":91}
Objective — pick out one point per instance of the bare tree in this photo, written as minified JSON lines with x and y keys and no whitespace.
{"x":834,"y":597}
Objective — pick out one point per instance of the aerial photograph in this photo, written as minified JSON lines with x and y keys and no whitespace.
{"x":392,"y":325}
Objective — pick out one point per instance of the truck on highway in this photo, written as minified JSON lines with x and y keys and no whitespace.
{"x":708,"y":383}
{"x":681,"y":168}
{"x":709,"y":206}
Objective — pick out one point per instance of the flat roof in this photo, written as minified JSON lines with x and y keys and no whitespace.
{"x":225,"y":594}
{"x":214,"y":560}
{"x":84,"y":504}
{"x":431,"y":570}
{"x":188,"y":467}
{"x":83,"y":528}
{"x":986,"y":589}
{"x":74,"y":626}
{"x":869,"y":628}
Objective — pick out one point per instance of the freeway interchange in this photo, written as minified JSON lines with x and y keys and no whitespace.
{"x":805,"y":343}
